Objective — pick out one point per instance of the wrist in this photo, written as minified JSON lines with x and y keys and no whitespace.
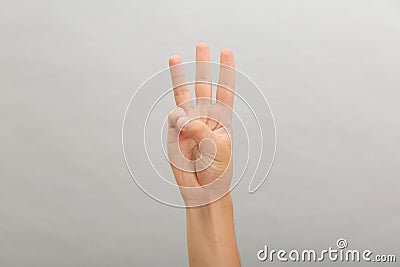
{"x":209,"y":211}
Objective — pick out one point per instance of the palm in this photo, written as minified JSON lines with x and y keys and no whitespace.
{"x":218,"y":121}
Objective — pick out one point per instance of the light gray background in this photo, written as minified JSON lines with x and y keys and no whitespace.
{"x":330,"y":70}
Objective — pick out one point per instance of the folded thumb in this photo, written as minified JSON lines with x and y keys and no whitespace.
{"x":197,"y":130}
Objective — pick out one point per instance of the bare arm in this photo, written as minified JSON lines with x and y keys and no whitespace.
{"x":211,"y":235}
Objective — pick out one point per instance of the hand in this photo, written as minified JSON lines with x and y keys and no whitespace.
{"x":200,"y":134}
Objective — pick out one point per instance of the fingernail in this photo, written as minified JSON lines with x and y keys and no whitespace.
{"x":182,"y":122}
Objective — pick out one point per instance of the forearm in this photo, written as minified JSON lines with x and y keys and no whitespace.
{"x":211,"y":235}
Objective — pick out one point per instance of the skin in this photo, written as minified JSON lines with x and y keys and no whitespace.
{"x":201,"y":152}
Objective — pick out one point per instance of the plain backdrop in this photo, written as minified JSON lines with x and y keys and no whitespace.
{"x":330,"y":70}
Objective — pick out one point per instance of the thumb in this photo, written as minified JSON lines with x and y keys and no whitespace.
{"x":196,"y":130}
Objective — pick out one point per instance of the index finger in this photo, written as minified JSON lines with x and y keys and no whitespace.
{"x":181,"y":88}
